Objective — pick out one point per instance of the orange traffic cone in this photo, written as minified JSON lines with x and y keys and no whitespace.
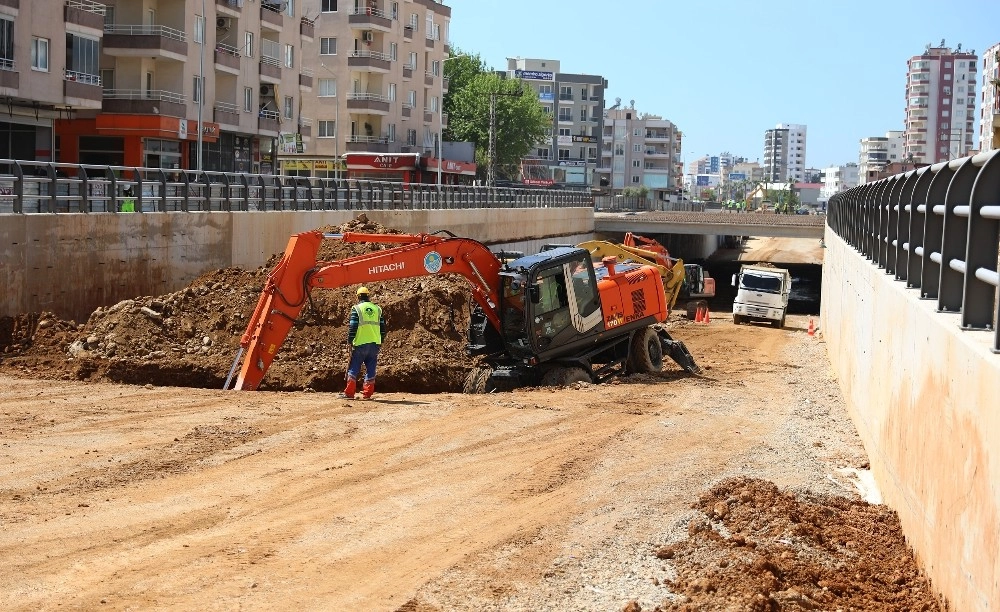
{"x":697,"y":315}
{"x":705,"y":318}
{"x":812,"y":328}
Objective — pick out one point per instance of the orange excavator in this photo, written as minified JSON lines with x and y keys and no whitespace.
{"x":697,"y":285}
{"x":553,"y":318}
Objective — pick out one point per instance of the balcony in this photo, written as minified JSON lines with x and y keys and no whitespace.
{"x":306,"y":79}
{"x":429,"y":79}
{"x":373,"y":144}
{"x":369,"y":61}
{"x":408,"y":71}
{"x":227,"y":59}
{"x":657,"y":136}
{"x":270,"y":17}
{"x":226,"y":114}
{"x":84,"y":13}
{"x":305,"y":127}
{"x":82,"y":89}
{"x":407,"y":110}
{"x":428,"y":116}
{"x":359,"y":101}
{"x":269,"y":122}
{"x":429,"y":42}
{"x":156,"y":41}
{"x":307,"y":29}
{"x":9,"y":78}
{"x":369,"y":19}
{"x":148,"y":102}
{"x":270,"y":70}
{"x":232,"y":8}
{"x":407,"y":32}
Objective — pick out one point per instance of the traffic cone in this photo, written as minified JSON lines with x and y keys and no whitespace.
{"x":706,"y":319}
{"x":697,"y":315}
{"x":812,"y":328}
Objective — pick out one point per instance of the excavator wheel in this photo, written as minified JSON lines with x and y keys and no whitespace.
{"x":565,"y":376}
{"x":645,"y":354}
{"x":477,"y":381}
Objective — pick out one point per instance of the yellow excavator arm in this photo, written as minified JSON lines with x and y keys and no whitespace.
{"x":672,"y":270}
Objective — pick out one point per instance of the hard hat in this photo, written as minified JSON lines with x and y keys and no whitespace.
{"x":362,"y":291}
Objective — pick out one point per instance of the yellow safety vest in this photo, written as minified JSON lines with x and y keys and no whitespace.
{"x":369,"y":328}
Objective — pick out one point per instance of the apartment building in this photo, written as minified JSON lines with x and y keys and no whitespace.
{"x":785,"y":152}
{"x":989,"y":107}
{"x":877,"y":152}
{"x":175,"y":73}
{"x":940,"y":104}
{"x":836,"y":179}
{"x":576,"y":103}
{"x":49,"y":57}
{"x":642,"y":150}
{"x":379,"y":70}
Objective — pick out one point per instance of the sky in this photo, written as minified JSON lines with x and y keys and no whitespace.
{"x":726,"y":71}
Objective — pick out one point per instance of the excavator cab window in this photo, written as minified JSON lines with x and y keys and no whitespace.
{"x":512,"y":313}
{"x":567,"y":299}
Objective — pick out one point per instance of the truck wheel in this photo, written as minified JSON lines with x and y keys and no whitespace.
{"x":737,"y":319}
{"x":477,"y":380}
{"x":645,"y":354}
{"x":779,"y":323}
{"x":562,"y":377}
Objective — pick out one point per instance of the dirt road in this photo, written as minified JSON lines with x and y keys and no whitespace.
{"x":132,"y":497}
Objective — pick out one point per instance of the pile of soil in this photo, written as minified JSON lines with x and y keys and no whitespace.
{"x":191,"y":336}
{"x":753,"y":547}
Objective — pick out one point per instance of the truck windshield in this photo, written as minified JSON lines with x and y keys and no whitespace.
{"x":770,"y":284}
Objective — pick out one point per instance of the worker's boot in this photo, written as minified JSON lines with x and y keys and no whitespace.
{"x":368,"y":390}
{"x":352,"y":386}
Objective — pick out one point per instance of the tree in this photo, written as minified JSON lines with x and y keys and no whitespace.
{"x":636,"y":192}
{"x":520,"y":120}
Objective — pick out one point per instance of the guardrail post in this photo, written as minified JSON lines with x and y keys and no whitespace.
{"x":245,"y":200}
{"x":955,"y":237}
{"x":163,"y":191}
{"x":982,"y":250}
{"x":84,"y":191}
{"x":137,"y":178}
{"x":228,"y":194}
{"x":50,"y":172}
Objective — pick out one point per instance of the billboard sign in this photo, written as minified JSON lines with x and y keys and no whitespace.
{"x":737,"y":176}
{"x":546,"y":96}
{"x":579,"y":138}
{"x":535,"y":75}
{"x":702,"y":180}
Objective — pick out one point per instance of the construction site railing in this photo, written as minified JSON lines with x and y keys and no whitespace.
{"x":28,"y":187}
{"x":937,"y":229}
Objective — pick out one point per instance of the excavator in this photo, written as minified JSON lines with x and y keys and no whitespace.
{"x":671,"y":270}
{"x":547,"y":319}
{"x":695,"y":282}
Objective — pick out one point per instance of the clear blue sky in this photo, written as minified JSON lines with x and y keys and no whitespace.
{"x":726,"y":71}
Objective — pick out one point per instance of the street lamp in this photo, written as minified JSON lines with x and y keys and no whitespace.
{"x":336,"y":124}
{"x":440,"y":151}
{"x":201,"y":82}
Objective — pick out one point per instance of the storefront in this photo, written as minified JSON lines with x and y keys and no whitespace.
{"x":407,"y":168}
{"x":322,"y":168}
{"x":149,"y":141}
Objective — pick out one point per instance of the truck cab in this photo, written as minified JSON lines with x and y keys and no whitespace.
{"x":762,"y":295}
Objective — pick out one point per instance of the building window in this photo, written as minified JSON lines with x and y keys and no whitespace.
{"x":328,"y":46}
{"x":566,"y":93}
{"x":392,"y":132}
{"x":414,"y":21}
{"x":196,"y":88}
{"x":199,"y":29}
{"x":411,"y":99}
{"x":40,"y":54}
{"x":411,"y":138}
{"x":583,"y":113}
{"x":6,"y":43}
{"x":248,"y":44}
{"x":248,"y":99}
{"x":289,"y":56}
{"x":563,"y":153}
{"x":329,"y":6}
{"x":289,"y":107}
{"x":393,"y":50}
{"x":394,"y":11}
{"x":83,"y":55}
{"x":637,"y":148}
{"x":412,"y":65}
{"x":290,"y":8}
{"x":328,"y":129}
{"x":327,"y":88}
{"x":436,"y":68}
{"x":635,"y":179}
{"x":635,"y":163}
{"x":565,"y":114}
{"x":564,"y":131}
{"x":392,"y":92}
{"x":543,"y":153}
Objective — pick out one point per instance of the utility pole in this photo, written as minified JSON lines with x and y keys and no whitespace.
{"x":491,"y":150}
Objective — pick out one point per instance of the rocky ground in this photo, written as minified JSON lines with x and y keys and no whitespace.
{"x":736,"y":490}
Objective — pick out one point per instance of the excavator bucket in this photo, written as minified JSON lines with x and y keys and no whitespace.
{"x":676,"y":350}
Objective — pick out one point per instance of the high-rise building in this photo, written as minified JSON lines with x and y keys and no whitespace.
{"x":940,"y":105}
{"x":175,"y":73}
{"x":379,"y":85}
{"x":989,"y":109}
{"x":837,"y":179}
{"x":785,"y":153}
{"x":877,"y":152}
{"x":50,"y":58}
{"x":645,"y":151}
{"x":576,"y":102}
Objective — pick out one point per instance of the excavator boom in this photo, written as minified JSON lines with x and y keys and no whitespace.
{"x":671,"y":270}
{"x":287,"y":287}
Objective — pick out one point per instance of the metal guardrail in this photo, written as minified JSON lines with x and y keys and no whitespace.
{"x":28,"y":187}
{"x":145,"y":30}
{"x":937,"y":229}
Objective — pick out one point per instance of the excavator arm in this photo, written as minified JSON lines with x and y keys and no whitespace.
{"x":671,"y":270}
{"x":288,"y":286}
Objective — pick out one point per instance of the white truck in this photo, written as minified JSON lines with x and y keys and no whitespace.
{"x":762,"y":294}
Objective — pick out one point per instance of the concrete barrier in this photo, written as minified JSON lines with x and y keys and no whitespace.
{"x":70,"y":264}
{"x":925,"y":397}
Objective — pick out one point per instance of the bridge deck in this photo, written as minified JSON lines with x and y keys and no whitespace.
{"x":718,"y":223}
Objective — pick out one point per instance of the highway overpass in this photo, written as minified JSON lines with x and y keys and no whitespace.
{"x":712,"y":223}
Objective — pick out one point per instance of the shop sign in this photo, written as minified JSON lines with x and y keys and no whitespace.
{"x":535,"y":75}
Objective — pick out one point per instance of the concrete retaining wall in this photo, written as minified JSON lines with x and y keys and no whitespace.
{"x":70,"y":264}
{"x":925,"y":397}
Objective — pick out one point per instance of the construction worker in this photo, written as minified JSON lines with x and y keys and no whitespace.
{"x":365,"y":330}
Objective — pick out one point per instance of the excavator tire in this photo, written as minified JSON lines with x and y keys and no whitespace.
{"x":565,"y":376}
{"x":477,"y":380}
{"x":645,"y":354}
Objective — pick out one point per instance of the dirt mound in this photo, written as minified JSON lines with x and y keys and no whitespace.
{"x":754,"y":547}
{"x":190,"y":337}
